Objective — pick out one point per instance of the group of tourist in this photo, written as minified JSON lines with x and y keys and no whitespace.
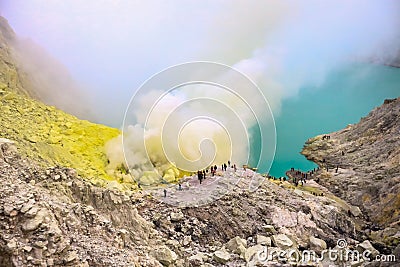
{"x":326,"y":137}
{"x":202,"y":174}
{"x":301,"y":177}
{"x":298,"y":177}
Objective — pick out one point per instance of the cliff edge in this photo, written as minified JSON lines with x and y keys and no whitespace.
{"x":361,"y":164}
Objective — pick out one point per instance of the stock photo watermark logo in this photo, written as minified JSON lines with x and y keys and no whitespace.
{"x":191,"y":117}
{"x":341,"y":253}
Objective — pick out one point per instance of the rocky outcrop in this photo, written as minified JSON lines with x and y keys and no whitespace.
{"x":282,"y":241}
{"x":361,"y":164}
{"x":51,"y":217}
{"x":237,"y":245}
{"x":222,"y":256}
{"x":164,"y":255}
{"x":10,"y":76}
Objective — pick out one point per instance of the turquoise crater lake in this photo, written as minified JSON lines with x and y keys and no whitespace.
{"x":346,"y":94}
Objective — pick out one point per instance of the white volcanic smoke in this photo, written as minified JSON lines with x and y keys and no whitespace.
{"x":201,"y":118}
{"x":50,"y":81}
{"x":282,"y":46}
{"x":43,"y":76}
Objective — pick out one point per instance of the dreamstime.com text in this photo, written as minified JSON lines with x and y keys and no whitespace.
{"x":341,"y":254}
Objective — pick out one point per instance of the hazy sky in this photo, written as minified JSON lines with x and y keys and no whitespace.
{"x":111,"y":47}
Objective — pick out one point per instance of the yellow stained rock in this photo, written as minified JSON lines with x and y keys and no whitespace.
{"x":53,"y":137}
{"x":3,"y":85}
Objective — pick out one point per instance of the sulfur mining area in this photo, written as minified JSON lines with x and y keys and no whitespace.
{"x":62,"y":205}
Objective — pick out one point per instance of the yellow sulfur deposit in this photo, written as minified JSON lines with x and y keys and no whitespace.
{"x":53,"y":137}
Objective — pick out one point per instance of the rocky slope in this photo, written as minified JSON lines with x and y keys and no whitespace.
{"x":367,"y":155}
{"x":52,"y":217}
{"x":9,"y":76}
{"x":52,"y":137}
{"x":44,"y":133}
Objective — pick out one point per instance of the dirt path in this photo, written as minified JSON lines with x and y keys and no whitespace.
{"x":193,"y":193}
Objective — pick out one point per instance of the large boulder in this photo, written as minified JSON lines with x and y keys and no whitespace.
{"x":264,"y":240}
{"x":355,"y":211}
{"x":176,"y":216}
{"x":282,"y":241}
{"x":252,"y":252}
{"x":237,"y":245}
{"x":221,"y":256}
{"x":34,"y":223}
{"x":187,"y":240}
{"x":164,"y":255}
{"x":366,"y":245}
{"x":317,"y":244}
{"x":269,"y":229}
